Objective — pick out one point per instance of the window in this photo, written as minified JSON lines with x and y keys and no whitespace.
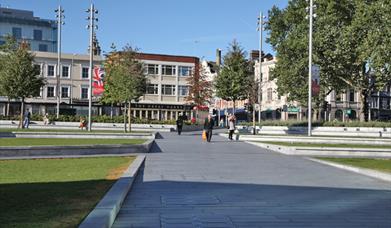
{"x":65,"y":71}
{"x":152,"y":69}
{"x":152,"y":89}
{"x":351,"y":95}
{"x":38,"y":67}
{"x":185,"y":71}
{"x":85,"y":72}
{"x":168,"y":70}
{"x":50,"y":91}
{"x":17,"y":33}
{"x":37,"y":34}
{"x":269,"y":94}
{"x":168,"y":89}
{"x":183,"y":90}
{"x":65,"y":92}
{"x":84,"y":93}
{"x":338,"y":97}
{"x":43,"y":47}
{"x":50,"y":71}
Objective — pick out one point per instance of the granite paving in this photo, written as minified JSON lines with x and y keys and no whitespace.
{"x":187,"y":182}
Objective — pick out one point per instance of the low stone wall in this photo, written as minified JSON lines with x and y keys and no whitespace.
{"x":77,"y":135}
{"x":313,"y":139}
{"x":323,"y":131}
{"x":95,"y":126}
{"x":326,"y":151}
{"x":26,"y":151}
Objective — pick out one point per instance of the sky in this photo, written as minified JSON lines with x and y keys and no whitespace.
{"x":173,"y":27}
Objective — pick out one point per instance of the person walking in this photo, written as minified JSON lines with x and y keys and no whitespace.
{"x":179,"y":124}
{"x":231,"y":127}
{"x":26,"y":121}
{"x":208,"y":127}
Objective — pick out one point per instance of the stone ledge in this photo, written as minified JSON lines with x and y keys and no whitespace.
{"x":27,"y":151}
{"x":104,"y":214}
{"x":324,"y":151}
{"x":363,"y":171}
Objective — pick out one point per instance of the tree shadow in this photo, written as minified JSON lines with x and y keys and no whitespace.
{"x":54,"y":204}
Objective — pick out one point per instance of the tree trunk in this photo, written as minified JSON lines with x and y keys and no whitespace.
{"x":124,"y":114}
{"x":8,"y":107}
{"x":129,"y":116}
{"x":363,"y":106}
{"x":254,"y":113}
{"x":233,"y":111}
{"x":21,"y":114}
{"x":111,"y":111}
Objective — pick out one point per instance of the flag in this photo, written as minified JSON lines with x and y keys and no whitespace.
{"x":98,"y":83}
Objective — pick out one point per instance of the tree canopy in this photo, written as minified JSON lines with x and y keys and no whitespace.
{"x":233,"y":81}
{"x":351,"y":38}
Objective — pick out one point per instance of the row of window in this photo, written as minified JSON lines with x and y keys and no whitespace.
{"x":153,"y":89}
{"x":17,"y":33}
{"x":169,"y":70}
{"x":65,"y":92}
{"x":65,"y":71}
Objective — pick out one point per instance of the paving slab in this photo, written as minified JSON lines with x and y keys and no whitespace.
{"x":186,"y":182}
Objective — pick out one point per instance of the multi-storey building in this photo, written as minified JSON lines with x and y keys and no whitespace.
{"x":343,"y":106}
{"x":41,"y":34}
{"x":164,"y":98}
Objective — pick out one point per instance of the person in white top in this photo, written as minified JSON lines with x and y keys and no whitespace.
{"x":231,"y":126}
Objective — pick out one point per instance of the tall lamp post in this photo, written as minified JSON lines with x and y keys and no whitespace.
{"x":310,"y":9}
{"x":92,"y":18}
{"x":60,"y":16}
{"x":260,"y":28}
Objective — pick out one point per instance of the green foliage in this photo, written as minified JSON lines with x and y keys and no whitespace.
{"x":350,"y":39}
{"x":234,"y":79}
{"x":18,"y":76}
{"x":125,"y":80}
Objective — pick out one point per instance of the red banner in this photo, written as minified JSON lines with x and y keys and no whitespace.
{"x":98,"y":83}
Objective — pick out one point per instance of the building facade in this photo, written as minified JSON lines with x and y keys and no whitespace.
{"x":164,"y":99}
{"x":41,"y":34}
{"x":343,"y":106}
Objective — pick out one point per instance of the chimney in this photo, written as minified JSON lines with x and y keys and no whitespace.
{"x":218,"y":57}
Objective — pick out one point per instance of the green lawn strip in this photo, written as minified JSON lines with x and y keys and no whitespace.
{"x":69,"y":131}
{"x":65,"y":142}
{"x":383,"y":165}
{"x":305,"y":144}
{"x":54,"y":192}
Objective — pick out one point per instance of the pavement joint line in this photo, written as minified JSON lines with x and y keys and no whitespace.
{"x":363,"y":171}
{"x":104,"y":214}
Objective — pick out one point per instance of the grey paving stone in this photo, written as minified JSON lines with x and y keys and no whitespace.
{"x":190,"y":183}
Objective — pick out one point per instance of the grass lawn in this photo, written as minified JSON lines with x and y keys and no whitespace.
{"x":383,"y":165}
{"x":68,"y":130}
{"x":54,"y":192}
{"x":296,"y":144}
{"x":64,"y":142}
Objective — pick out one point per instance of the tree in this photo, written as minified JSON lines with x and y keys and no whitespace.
{"x":125,"y":80}
{"x":234,"y":79}
{"x":200,"y":89}
{"x":19,"y":78}
{"x":342,"y":48}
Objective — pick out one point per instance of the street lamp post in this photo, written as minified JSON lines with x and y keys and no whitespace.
{"x":261,"y":23}
{"x":309,"y":117}
{"x":92,"y":18}
{"x":60,"y":16}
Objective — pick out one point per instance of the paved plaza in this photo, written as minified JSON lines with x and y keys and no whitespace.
{"x":189,"y":183}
